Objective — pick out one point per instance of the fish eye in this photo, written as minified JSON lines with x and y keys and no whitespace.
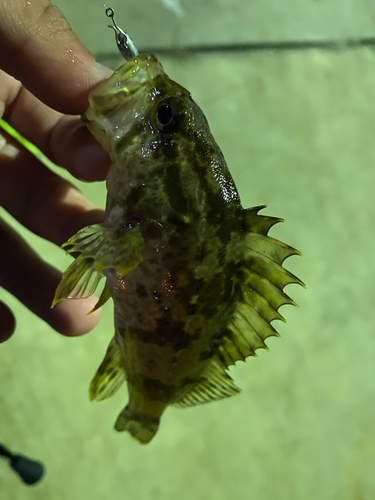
{"x":165,"y":114}
{"x":165,"y":119}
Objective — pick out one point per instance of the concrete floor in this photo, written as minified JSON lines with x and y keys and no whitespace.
{"x":297,"y":129}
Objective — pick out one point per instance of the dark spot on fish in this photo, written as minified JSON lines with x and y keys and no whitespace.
{"x":216,"y":340}
{"x":204,"y":355}
{"x":141,"y":291}
{"x":174,"y":189}
{"x":167,"y":332}
{"x":176,"y":220}
{"x":158,"y":171}
{"x":153,"y":231}
{"x":221,"y":255}
{"x":201,"y":252}
{"x":240,"y":275}
{"x":170,"y":150}
{"x":220,"y":334}
{"x":200,"y":170}
{"x":191,"y":309}
{"x":134,"y":194}
{"x":154,"y":388}
{"x":190,"y":381}
{"x":182,"y":341}
{"x":197,"y":334}
{"x":212,"y":291}
{"x":250,"y":261}
{"x":145,"y":420}
{"x":129,"y":139}
{"x":102,"y":369}
{"x":215,"y":206}
{"x":167,"y":255}
{"x":197,"y":285}
{"x":225,"y":229}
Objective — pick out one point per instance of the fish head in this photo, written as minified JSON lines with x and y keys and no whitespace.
{"x":139,"y":98}
{"x":117,"y":102}
{"x":159,"y":141}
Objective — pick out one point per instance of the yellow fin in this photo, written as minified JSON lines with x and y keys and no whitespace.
{"x":142,"y":427}
{"x":109,"y":376}
{"x":260,"y":294}
{"x":100,"y":248}
{"x":104,"y":296}
{"x":215,"y":384}
{"x":260,"y":224}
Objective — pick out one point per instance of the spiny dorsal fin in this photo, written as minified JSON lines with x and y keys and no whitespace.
{"x":109,"y":375}
{"x":260,"y":224}
{"x":100,"y":248}
{"x":260,"y":294}
{"x":216,"y":384}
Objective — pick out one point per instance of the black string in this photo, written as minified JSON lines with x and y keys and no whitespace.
{"x":29,"y":471}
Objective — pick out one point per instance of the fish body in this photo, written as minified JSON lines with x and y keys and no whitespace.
{"x":194,"y":278}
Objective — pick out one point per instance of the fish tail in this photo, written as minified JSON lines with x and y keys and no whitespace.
{"x":142,"y":427}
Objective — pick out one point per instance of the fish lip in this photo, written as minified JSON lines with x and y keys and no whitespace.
{"x":132,"y":77}
{"x":123,"y":92}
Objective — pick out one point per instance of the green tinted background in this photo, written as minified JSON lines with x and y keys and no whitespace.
{"x":297,"y":128}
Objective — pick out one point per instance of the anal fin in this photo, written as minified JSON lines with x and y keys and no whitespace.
{"x":215,"y":384}
{"x":109,"y":376}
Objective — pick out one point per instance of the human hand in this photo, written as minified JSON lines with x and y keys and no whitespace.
{"x":46,"y":75}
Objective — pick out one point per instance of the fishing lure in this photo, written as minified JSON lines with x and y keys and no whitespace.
{"x":194,"y":278}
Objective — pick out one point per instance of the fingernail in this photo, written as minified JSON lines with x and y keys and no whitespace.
{"x":92,"y":163}
{"x":104,"y":71}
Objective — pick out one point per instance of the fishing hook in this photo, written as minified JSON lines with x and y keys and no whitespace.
{"x":124,"y":43}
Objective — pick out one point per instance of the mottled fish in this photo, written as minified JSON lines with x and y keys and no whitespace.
{"x":194,"y":278}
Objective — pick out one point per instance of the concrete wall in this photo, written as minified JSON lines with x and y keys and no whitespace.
{"x":297,"y":129}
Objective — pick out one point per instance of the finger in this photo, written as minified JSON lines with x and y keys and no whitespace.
{"x":39,"y":199}
{"x":72,"y":146}
{"x":63,"y":139}
{"x":7,"y":322}
{"x":39,"y":48}
{"x":34,"y":282}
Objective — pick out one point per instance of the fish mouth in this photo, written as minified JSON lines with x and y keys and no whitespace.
{"x":117,"y":102}
{"x":131,"y":78}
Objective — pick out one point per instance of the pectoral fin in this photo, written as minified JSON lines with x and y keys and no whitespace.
{"x":104,"y":296}
{"x":100,"y":248}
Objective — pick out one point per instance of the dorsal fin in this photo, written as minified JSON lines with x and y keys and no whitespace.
{"x":260,"y":293}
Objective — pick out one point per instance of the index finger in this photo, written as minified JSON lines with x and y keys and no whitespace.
{"x":39,"y":48}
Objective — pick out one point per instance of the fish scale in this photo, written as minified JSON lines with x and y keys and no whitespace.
{"x":194,"y":277}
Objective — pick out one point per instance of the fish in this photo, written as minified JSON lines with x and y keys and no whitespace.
{"x":194,"y":277}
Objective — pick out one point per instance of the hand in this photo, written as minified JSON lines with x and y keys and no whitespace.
{"x":46,"y":77}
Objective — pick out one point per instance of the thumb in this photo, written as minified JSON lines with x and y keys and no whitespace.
{"x":39,"y":48}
